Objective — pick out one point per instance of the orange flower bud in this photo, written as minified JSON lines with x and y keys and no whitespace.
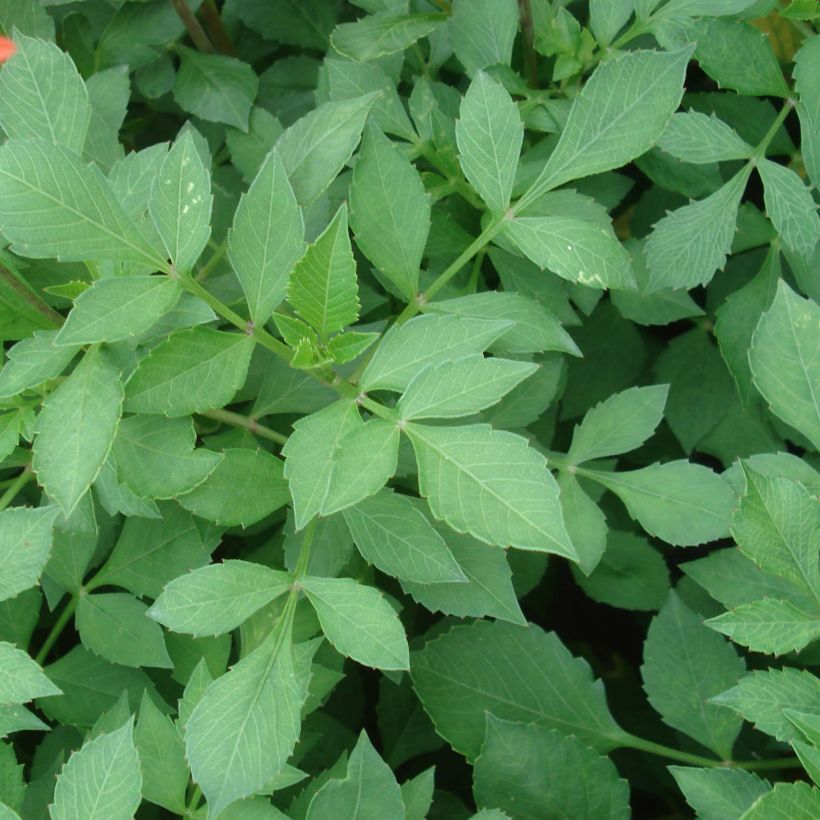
{"x":7,"y":48}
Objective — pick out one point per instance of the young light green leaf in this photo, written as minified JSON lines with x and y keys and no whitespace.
{"x":531,"y":772}
{"x":264,"y":489}
{"x":383,"y":33}
{"x":718,"y":794}
{"x":770,"y":626}
{"x":323,"y":288}
{"x":685,"y":664}
{"x":686,"y":248}
{"x":762,"y":698}
{"x":215,"y":599}
{"x":244,"y":727}
{"x":156,"y":458}
{"x":491,"y":484}
{"x":366,"y":457}
{"x":482,"y":32}
{"x":114,"y":625}
{"x":21,"y":678}
{"x":369,"y":789}
{"x":392,"y":533}
{"x":484,"y":590}
{"x":42,"y":95}
{"x":25,"y":545}
{"x":776,"y":525}
{"x":682,"y":503}
{"x":389,"y":211}
{"x":346,"y":347}
{"x":489,"y":134}
{"x":266,"y":239}
{"x":180,"y":204}
{"x":101,"y":781}
{"x":406,"y":349}
{"x":215,"y":88}
{"x":575,"y":249}
{"x":358,"y":621}
{"x":618,"y":424}
{"x":75,"y":430}
{"x":699,"y":138}
{"x":533,"y":678}
{"x":53,"y":205}
{"x":162,"y":758}
{"x":309,"y":455}
{"x":32,"y":361}
{"x":192,"y":370}
{"x":785,"y":361}
{"x":619,"y":114}
{"x":790,"y":207}
{"x":461,"y":387}
{"x":315,"y":148}
{"x":119,"y":308}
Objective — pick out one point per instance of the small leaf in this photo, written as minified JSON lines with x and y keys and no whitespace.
{"x":358,"y":621}
{"x":21,"y":678}
{"x":25,"y":545}
{"x":699,"y":138}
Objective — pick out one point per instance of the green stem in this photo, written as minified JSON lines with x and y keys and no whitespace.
{"x":11,"y":492}
{"x":30,"y":297}
{"x":57,"y":629}
{"x":527,"y":29}
{"x":216,"y":28}
{"x":216,"y":257}
{"x":760,"y":150}
{"x":195,"y":30}
{"x":247,"y":422}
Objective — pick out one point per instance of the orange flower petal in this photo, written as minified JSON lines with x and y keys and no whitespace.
{"x":7,"y":48}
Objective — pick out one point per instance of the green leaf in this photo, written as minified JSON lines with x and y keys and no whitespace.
{"x":686,"y":248}
{"x":482,"y":32}
{"x":323,"y":288}
{"x":785,"y":360}
{"x":389,"y":211}
{"x":264,"y":489}
{"x":621,"y":423}
{"x":112,"y":310}
{"x":682,"y":503}
{"x":162,"y":758}
{"x":771,"y":626}
{"x":700,"y":138}
{"x":532,"y":679}
{"x":75,"y":430}
{"x":608,"y":17}
{"x":534,"y":773}
{"x":192,"y":370}
{"x":21,"y":679}
{"x":358,"y":621}
{"x":491,"y":484}
{"x":392,"y":533}
{"x":378,"y":35}
{"x":797,"y":801}
{"x":316,"y":147}
{"x":346,"y":347}
{"x":42,"y":96}
{"x":32,"y":361}
{"x":718,"y":794}
{"x":369,"y":789}
{"x":619,"y":114}
{"x":309,"y":456}
{"x":114,"y":625}
{"x":180,"y":204}
{"x":25,"y":545}
{"x":584,"y":520}
{"x":417,"y":794}
{"x":215,"y":599}
{"x":776,"y":525}
{"x":484,"y":589}
{"x":244,"y":727}
{"x":489,"y":134}
{"x":156,"y":458}
{"x":101,"y":781}
{"x":406,"y":349}
{"x":53,"y":205}
{"x":685,"y":664}
{"x":577,"y":250}
{"x":534,"y":328}
{"x":214,"y":87}
{"x":461,"y":387}
{"x":266,"y":239}
{"x":762,"y":697}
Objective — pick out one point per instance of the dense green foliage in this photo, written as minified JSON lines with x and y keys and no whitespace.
{"x":410,"y":408}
